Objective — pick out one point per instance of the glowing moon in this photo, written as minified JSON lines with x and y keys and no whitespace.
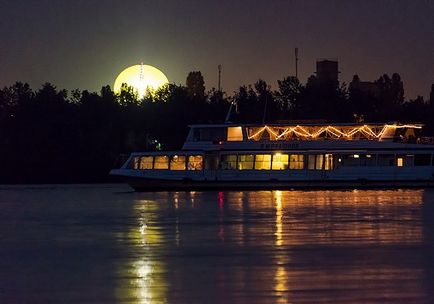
{"x":142,"y":78}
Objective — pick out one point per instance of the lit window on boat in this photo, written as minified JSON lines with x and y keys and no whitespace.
{"x":263,"y":162}
{"x":311,"y":162}
{"x":146,"y":162}
{"x":319,"y":161}
{"x":134,"y":163}
{"x":229,"y":162}
{"x":404,"y":160}
{"x":399,"y":162}
{"x":177,"y":162}
{"x":235,"y":134}
{"x":296,"y":162}
{"x":280,"y":161}
{"x":328,"y":162}
{"x":315,"y":162}
{"x":245,"y":162}
{"x":195,"y":162}
{"x":161,"y":162}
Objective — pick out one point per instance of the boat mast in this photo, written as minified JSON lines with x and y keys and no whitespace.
{"x":228,"y":115}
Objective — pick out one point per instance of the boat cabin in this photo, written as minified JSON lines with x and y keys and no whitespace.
{"x":213,"y":136}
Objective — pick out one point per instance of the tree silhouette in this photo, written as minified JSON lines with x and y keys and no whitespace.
{"x":48,"y":135}
{"x":288,"y":93}
{"x":195,"y":85}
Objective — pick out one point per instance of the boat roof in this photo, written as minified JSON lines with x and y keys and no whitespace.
{"x":311,"y":124}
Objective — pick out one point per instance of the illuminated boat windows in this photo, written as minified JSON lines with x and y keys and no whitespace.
{"x":195,"y":162}
{"x":296,"y":161}
{"x":328,"y":161}
{"x":177,"y":162}
{"x":319,"y":161}
{"x":422,"y":159}
{"x":405,"y":160}
{"x":400,"y":162}
{"x":280,"y":162}
{"x":315,"y":161}
{"x":146,"y":162}
{"x":161,"y":162}
{"x":235,"y":134}
{"x":229,"y":162}
{"x":134,"y":163}
{"x":311,"y":162}
{"x":263,"y":162}
{"x":245,"y":162}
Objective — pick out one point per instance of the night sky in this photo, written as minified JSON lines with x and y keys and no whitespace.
{"x":85,"y":43}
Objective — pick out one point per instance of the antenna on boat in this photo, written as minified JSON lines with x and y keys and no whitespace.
{"x":228,"y":115}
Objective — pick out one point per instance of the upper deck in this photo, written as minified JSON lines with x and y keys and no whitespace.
{"x":305,"y":136}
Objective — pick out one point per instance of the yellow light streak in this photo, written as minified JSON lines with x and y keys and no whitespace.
{"x":279,"y":217}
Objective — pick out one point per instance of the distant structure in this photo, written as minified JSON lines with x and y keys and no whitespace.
{"x":141,"y":75}
{"x":220,"y":75}
{"x":431,"y":95}
{"x":371,"y":88}
{"x":296,"y":63}
{"x":327,"y":73}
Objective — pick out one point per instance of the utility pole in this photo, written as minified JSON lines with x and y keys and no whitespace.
{"x":220,"y":75}
{"x":296,"y":63}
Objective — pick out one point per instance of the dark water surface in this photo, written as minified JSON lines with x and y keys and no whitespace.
{"x":106,"y":244}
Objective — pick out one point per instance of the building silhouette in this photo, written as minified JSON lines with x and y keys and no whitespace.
{"x":371,"y":88}
{"x":431,"y":95}
{"x":327,"y":73}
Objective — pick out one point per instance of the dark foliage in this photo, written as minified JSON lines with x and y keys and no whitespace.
{"x":51,"y":136}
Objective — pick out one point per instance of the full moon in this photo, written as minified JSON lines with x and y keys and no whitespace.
{"x":142,"y":78}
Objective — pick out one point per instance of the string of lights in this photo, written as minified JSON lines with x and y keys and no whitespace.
{"x":373,"y":132}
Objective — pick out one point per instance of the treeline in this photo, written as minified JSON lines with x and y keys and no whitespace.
{"x":51,"y":135}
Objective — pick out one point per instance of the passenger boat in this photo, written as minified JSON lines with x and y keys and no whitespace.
{"x":282,"y":156}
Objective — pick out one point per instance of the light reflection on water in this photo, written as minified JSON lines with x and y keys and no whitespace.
{"x":216,"y":247}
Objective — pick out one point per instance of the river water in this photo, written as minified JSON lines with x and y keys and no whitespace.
{"x":107,"y":244}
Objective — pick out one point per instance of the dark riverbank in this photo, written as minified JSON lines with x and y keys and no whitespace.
{"x":52,"y":136}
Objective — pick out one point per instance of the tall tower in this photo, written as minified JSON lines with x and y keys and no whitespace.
{"x":296,"y":63}
{"x":327,"y":72}
{"x":141,"y":76}
{"x":220,"y":75}
{"x":431,"y":95}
